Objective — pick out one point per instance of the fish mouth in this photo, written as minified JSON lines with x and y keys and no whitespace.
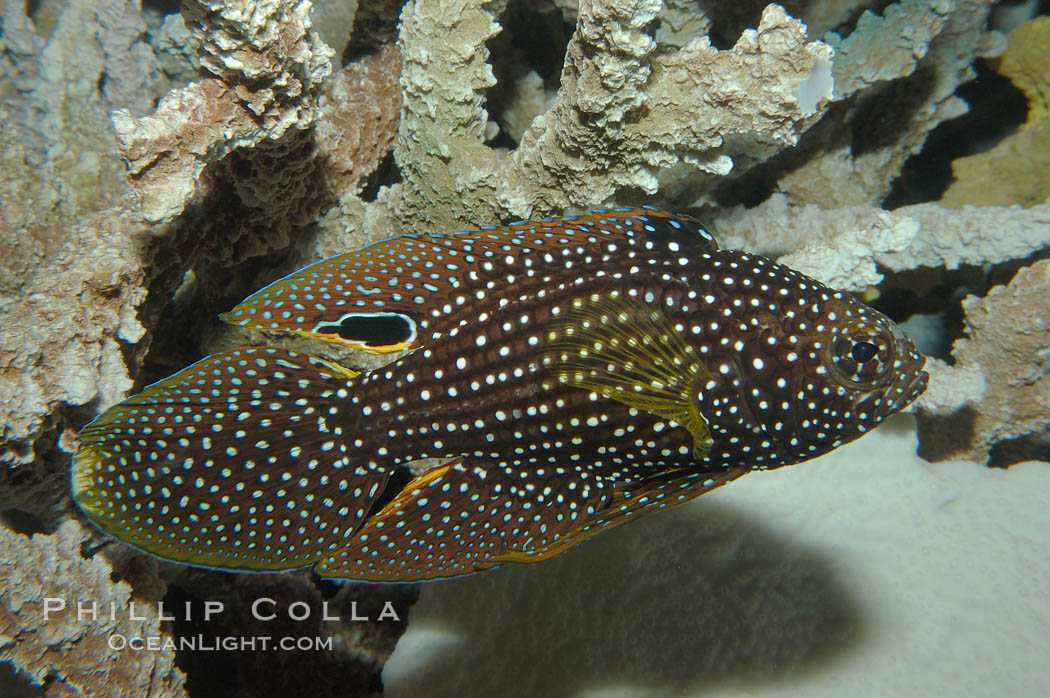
{"x":917,"y":380}
{"x":916,"y":387}
{"x":898,"y":396}
{"x":914,"y":362}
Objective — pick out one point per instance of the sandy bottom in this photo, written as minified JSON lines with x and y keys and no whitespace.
{"x":866,"y":572}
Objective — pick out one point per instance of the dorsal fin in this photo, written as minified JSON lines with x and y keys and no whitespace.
{"x":396,"y":293}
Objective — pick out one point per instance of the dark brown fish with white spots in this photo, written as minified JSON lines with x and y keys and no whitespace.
{"x":573,"y":373}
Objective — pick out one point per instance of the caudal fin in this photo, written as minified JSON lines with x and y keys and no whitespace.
{"x":237,"y":462}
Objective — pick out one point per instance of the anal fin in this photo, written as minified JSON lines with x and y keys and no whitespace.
{"x":460,"y":518}
{"x":629,"y":502}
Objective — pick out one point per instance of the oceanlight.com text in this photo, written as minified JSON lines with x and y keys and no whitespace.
{"x":210,"y":643}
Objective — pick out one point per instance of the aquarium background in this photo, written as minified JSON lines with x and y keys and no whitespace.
{"x":159,"y":161}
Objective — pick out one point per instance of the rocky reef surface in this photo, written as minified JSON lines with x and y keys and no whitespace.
{"x":161,"y":160}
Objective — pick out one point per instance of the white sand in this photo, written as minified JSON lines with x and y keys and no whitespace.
{"x":867,"y":572}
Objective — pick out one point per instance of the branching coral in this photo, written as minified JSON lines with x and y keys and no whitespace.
{"x":56,"y":113}
{"x":359,"y":118}
{"x":847,"y":260}
{"x":52,"y":349}
{"x":887,"y":47}
{"x":73,"y":274}
{"x":334,"y":21}
{"x":448,"y":173}
{"x":951,"y":389}
{"x":616,"y":123}
{"x":896,"y":77}
{"x":52,"y":353}
{"x":133,"y":75}
{"x":680,"y":21}
{"x":268,"y":75}
{"x":943,"y":237}
{"x":622,"y":112}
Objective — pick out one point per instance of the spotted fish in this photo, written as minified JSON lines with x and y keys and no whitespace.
{"x":570,"y":374}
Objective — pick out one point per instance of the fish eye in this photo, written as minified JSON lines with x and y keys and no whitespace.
{"x":862,"y":355}
{"x":863,"y":352}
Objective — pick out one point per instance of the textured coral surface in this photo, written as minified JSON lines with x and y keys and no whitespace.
{"x":158,"y":165}
{"x":49,"y":640}
{"x":1013,"y":356}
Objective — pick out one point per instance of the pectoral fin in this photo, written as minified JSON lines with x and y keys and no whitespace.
{"x":625,"y":350}
{"x":442,"y":524}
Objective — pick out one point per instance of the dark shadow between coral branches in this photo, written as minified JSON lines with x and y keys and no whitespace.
{"x":696,"y":596}
{"x":17,"y":685}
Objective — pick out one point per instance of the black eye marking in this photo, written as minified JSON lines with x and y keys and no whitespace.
{"x":863,"y":351}
{"x":371,"y":329}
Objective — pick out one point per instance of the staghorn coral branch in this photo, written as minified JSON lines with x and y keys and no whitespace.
{"x":359,"y":117}
{"x":1007,"y":340}
{"x":943,"y":236}
{"x":897,"y":74}
{"x":447,"y":170}
{"x":167,"y":150}
{"x":266,"y":52}
{"x":61,"y":341}
{"x":579,"y":140}
{"x":972,"y":235}
{"x":669,"y":109}
{"x":621,"y":114}
{"x":886,"y":47}
{"x":619,"y":120}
